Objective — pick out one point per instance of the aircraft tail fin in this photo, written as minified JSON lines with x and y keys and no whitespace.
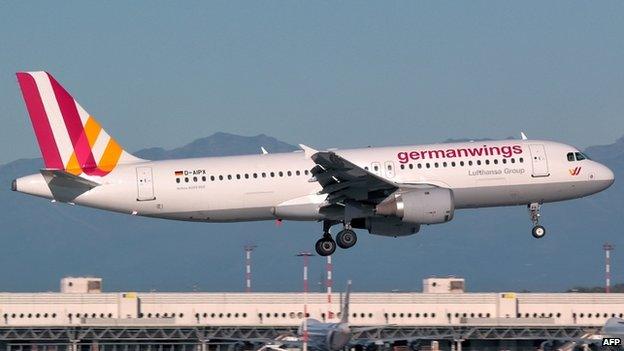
{"x":344,"y":318}
{"x":69,"y":138}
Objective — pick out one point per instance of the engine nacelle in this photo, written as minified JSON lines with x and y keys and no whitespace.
{"x":389,"y":226}
{"x":420,"y":206}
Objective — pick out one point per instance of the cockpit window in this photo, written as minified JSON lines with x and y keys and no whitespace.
{"x":581,"y":156}
{"x":570,"y":156}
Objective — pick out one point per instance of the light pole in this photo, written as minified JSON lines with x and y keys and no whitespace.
{"x":305,"y":256}
{"x":248,"y":250}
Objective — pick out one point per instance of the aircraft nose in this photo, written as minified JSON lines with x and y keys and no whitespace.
{"x":604,"y":174}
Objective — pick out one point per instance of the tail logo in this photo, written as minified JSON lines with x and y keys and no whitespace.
{"x":69,"y":138}
{"x":575,"y":171}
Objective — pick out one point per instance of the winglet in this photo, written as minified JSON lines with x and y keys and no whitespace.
{"x":523,"y":136}
{"x":264,"y":152}
{"x":307,"y":150}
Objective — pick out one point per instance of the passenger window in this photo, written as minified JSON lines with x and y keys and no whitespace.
{"x":428,"y":165}
{"x":272,"y":174}
{"x":487,"y":162}
{"x":186,"y":180}
{"x":263,"y":175}
{"x":461,"y":163}
{"x":281,"y":174}
{"x":220,"y":177}
{"x":402,"y":166}
{"x":479,"y":162}
{"x":436,"y":165}
{"x":453,"y":164}
{"x":255,"y":175}
{"x":306,"y":172}
{"x":570,"y":156}
{"x":289,"y":173}
{"x":513,"y":160}
{"x":419,"y":166}
{"x":444,"y":164}
{"x":177,"y":180}
{"x":212,"y":178}
{"x":504,"y":161}
{"x":203,"y":178}
{"x":521,"y":159}
{"x":411,"y":166}
{"x":246,"y":175}
{"x":194,"y":179}
{"x":470,"y":163}
{"x":376,"y":168}
{"x":366,"y":168}
{"x":495,"y":161}
{"x":238,"y":176}
{"x":229,"y":177}
{"x":298,"y":173}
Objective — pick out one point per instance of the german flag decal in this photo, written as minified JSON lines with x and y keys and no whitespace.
{"x":179,"y":173}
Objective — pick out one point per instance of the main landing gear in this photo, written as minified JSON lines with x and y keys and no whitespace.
{"x":538,"y":231}
{"x":345,"y":239}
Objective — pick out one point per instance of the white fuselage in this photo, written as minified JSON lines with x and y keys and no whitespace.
{"x":279,"y":186}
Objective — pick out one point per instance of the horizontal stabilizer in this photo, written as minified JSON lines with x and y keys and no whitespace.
{"x":67,"y":180}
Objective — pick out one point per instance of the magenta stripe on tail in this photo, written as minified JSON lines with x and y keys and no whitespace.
{"x":67,"y":105}
{"x":41,"y":125}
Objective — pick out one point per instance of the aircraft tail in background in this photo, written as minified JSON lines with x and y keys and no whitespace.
{"x":344,"y":318}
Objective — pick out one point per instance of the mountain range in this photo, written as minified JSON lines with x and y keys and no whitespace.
{"x":492,"y":248}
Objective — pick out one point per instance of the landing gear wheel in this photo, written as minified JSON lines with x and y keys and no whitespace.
{"x":346,"y":238}
{"x":325,"y":246}
{"x":538,"y":232}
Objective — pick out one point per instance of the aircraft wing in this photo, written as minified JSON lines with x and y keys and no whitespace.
{"x":342,"y":180}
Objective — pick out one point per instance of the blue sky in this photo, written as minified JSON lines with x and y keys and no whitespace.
{"x":328,"y":74}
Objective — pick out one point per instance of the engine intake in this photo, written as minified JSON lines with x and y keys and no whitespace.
{"x":420,"y":206}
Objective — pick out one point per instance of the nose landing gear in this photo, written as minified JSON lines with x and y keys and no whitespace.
{"x":538,"y":231}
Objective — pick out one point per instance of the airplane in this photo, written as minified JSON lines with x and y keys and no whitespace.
{"x":609,"y":337}
{"x":322,"y":336}
{"x":389,"y":191}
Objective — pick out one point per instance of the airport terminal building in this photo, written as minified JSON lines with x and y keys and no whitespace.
{"x":82,"y":317}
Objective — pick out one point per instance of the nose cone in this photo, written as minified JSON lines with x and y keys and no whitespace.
{"x":604,"y":176}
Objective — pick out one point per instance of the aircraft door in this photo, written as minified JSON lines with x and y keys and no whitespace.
{"x":539,"y":161}
{"x":376,"y":168}
{"x":389,"y":169}
{"x":145,"y":184}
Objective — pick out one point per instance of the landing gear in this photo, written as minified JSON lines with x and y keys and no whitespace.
{"x":538,"y":232}
{"x":346,"y":238}
{"x":325,"y":246}
{"x":534,"y":211}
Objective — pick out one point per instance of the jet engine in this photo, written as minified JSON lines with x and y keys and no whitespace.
{"x":419,"y":206}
